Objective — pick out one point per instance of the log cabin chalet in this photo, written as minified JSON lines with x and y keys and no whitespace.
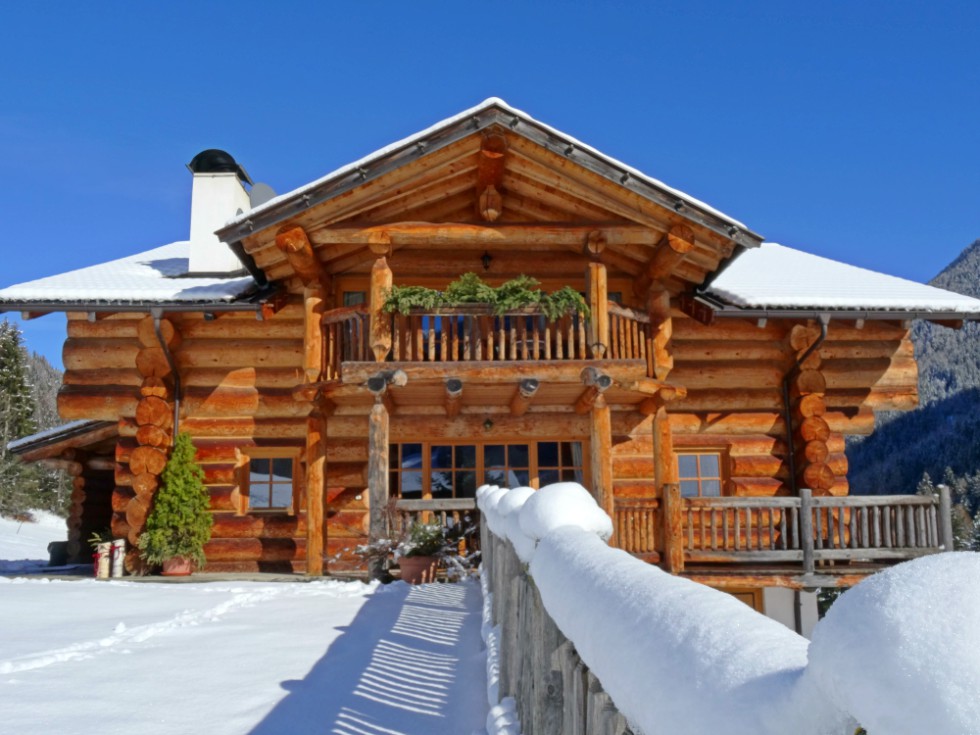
{"x":704,"y":400}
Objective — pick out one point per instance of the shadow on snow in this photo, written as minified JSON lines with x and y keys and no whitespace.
{"x":410,"y":663}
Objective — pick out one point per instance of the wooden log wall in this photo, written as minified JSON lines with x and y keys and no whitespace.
{"x":238,"y":374}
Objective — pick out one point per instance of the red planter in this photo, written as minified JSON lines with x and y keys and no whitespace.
{"x":177,"y":567}
{"x":418,"y":569}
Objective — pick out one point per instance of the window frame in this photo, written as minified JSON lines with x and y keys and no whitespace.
{"x":244,"y":479}
{"x":480,"y":469}
{"x":723,"y":468}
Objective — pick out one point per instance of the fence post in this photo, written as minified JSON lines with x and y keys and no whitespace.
{"x":673,"y":528}
{"x":945,"y":519}
{"x":806,"y":529}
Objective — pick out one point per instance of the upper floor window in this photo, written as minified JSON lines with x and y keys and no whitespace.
{"x":700,"y":474}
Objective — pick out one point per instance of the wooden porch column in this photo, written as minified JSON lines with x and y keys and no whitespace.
{"x":600,"y":443}
{"x":598,"y":296}
{"x":378,"y":491}
{"x":665,"y":478}
{"x":658,"y":306}
{"x":314,"y":302}
{"x":316,"y":460}
{"x":381,"y":281}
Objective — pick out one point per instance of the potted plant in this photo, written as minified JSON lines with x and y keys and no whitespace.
{"x":179,"y":524}
{"x":419,"y":552}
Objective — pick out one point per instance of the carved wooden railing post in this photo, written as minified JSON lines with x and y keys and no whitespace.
{"x":945,"y":519}
{"x":673,"y":515}
{"x":598,"y":296}
{"x":806,"y":529}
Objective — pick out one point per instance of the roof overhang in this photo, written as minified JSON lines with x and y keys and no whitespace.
{"x":489,"y":113}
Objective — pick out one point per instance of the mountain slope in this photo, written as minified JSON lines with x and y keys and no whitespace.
{"x":945,"y":430}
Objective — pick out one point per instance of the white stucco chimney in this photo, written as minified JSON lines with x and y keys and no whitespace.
{"x":217,"y":195}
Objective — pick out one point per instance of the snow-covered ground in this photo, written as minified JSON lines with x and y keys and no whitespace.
{"x":24,"y":546}
{"x":344,"y":658}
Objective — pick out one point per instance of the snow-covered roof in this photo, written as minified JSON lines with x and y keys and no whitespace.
{"x":472,"y":119}
{"x":154,"y":276}
{"x":58,"y":434}
{"x":776,"y":277}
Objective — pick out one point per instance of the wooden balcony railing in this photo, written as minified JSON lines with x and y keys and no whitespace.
{"x":796,"y":530}
{"x":459,"y":516}
{"x":345,"y":339}
{"x":474,"y":333}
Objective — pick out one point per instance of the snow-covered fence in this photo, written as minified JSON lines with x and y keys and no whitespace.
{"x":590,"y":638}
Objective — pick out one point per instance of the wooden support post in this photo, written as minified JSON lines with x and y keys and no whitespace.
{"x":314,"y":300}
{"x":316,"y":460}
{"x":600,"y":442}
{"x":806,"y":529}
{"x":378,"y":491}
{"x":665,"y":478}
{"x":598,"y":297}
{"x":523,"y":396}
{"x":454,"y":395}
{"x":380,"y":330}
{"x":658,"y":305}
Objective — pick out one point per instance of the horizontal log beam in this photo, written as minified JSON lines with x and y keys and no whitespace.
{"x":569,"y":371}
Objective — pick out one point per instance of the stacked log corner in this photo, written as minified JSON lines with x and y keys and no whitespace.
{"x":140,"y":459}
{"x":815,"y":468}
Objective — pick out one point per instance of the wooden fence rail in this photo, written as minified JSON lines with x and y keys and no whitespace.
{"x":555,"y":691}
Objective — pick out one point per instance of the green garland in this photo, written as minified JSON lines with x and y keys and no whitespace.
{"x":513,"y":295}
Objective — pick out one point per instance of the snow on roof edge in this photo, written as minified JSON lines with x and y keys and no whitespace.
{"x":452,"y":120}
{"x":71,"y":428}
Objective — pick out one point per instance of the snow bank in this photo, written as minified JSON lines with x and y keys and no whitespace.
{"x":900,"y":650}
{"x":681,"y":657}
{"x":676,"y":645}
{"x":24,"y":545}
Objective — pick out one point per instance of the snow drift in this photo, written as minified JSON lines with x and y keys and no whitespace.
{"x":897,"y":653}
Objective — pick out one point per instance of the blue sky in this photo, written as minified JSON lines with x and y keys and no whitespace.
{"x":851,"y":130}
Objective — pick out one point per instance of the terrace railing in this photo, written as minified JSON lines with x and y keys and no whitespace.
{"x":475,"y":334}
{"x":803,"y":530}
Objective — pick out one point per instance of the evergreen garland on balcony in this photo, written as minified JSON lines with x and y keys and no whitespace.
{"x":513,"y":295}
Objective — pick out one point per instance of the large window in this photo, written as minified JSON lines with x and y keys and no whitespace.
{"x":436,"y":470}
{"x":270,"y":480}
{"x":700,"y":474}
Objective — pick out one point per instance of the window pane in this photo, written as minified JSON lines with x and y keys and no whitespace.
{"x":282,"y":496}
{"x":687,"y":465}
{"x":493,"y":455}
{"x":258,"y":496}
{"x":392,"y":456}
{"x":546,"y":477}
{"x":466,"y":456}
{"x":571,"y":454}
{"x":411,"y":483}
{"x":689,"y":488}
{"x":465,"y":484}
{"x":710,"y":488}
{"x":520,"y":478}
{"x":496,"y":477}
{"x":282,"y":469}
{"x":571,"y":475}
{"x":354,"y":298}
{"x":442,"y":484}
{"x":442,"y":456}
{"x":548,"y":454}
{"x":709,"y":465}
{"x":517,"y":455}
{"x":412,"y":456}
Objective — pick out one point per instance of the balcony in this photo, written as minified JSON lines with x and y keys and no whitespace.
{"x":799,"y":536}
{"x":474,"y":333}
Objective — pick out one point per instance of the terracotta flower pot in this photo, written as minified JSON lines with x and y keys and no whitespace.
{"x":179,"y":566}
{"x":418,"y":569}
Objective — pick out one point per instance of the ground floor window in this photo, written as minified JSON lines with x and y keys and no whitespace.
{"x":269,"y":481}
{"x":436,"y":470}
{"x":700,"y":474}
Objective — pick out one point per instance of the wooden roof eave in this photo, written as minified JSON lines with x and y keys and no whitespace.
{"x":387,"y":160}
{"x":53,"y":444}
